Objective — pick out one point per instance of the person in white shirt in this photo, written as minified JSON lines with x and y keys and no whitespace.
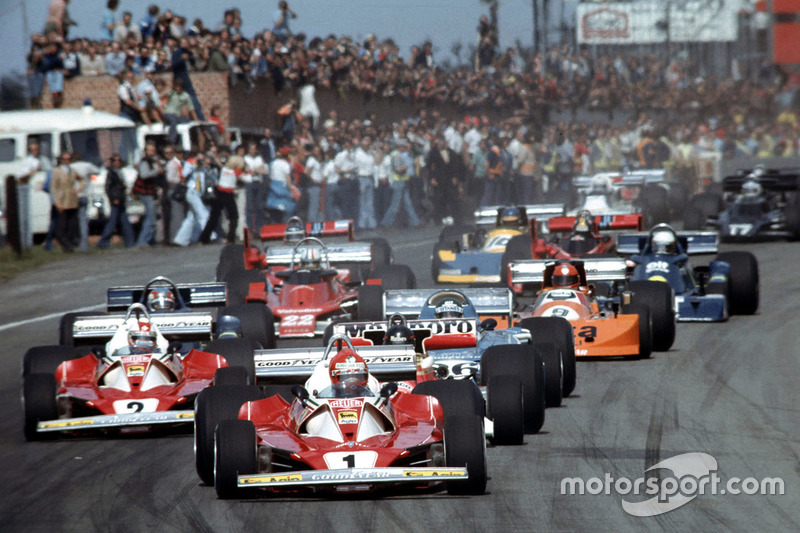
{"x":347,"y":193}
{"x":365,"y":169}
{"x":313,"y":189}
{"x":255,"y":188}
{"x":280,"y":174}
{"x":331,"y":177}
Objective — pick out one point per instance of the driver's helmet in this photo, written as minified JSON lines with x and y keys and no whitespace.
{"x":510,"y":217}
{"x":160,"y":299}
{"x":142,"y":338}
{"x":399,"y":334}
{"x":295,"y":230}
{"x":663,"y":240}
{"x":751,"y":188}
{"x":584,"y":223}
{"x":310,"y":258}
{"x":566,"y":275}
{"x":348,"y":372}
{"x":449,"y":309}
{"x":600,"y":184}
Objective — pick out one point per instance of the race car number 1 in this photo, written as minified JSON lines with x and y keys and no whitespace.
{"x":363,"y":459}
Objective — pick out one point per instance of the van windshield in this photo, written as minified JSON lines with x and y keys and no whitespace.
{"x":96,"y":146}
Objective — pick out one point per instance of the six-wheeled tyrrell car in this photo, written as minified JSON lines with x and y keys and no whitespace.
{"x":609,"y":316}
{"x":473,"y":254}
{"x":187,"y":312}
{"x":456,"y":332}
{"x":306,"y":290}
{"x":727,"y":285}
{"x":136,"y":382}
{"x":342,"y":431}
{"x":756,"y":204}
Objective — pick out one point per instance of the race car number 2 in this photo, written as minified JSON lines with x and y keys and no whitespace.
{"x":139,"y":405}
{"x":352,"y":459}
{"x":298,"y":320}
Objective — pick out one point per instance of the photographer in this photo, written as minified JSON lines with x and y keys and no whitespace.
{"x":281,"y":19}
{"x":151,"y":169}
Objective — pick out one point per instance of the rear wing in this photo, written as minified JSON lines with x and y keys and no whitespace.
{"x":488,"y":301}
{"x":693,"y":243}
{"x":487,"y":216}
{"x":330,"y":228}
{"x":193,"y":294}
{"x":775,"y":181}
{"x":373,"y":332}
{"x":295,"y":365}
{"x":633,"y":221}
{"x":351,"y":252}
{"x":600,"y":269}
{"x":100,"y":329}
{"x":632,"y":178}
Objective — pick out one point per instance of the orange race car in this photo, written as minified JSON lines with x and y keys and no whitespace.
{"x":610,"y":322}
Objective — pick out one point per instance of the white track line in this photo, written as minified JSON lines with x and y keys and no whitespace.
{"x":48,"y":317}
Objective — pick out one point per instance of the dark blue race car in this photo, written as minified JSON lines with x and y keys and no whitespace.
{"x":728,"y":285}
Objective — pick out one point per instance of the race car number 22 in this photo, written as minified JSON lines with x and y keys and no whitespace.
{"x":299,"y":320}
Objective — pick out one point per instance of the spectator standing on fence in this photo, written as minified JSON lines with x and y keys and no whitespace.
{"x":58,"y":19}
{"x":117,"y":198}
{"x":365,"y":170}
{"x":280,"y":21}
{"x":127,"y":29}
{"x":225,"y":198}
{"x":178,"y":109}
{"x":66,"y":184}
{"x":147,"y":26}
{"x":109,"y":20}
{"x":54,"y":72}
{"x":180,"y":61}
{"x":151,"y":169}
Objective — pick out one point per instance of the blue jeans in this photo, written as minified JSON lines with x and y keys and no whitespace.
{"x":332,"y":211}
{"x":315,"y":214}
{"x":489,"y":193}
{"x":194,"y":221}
{"x":83,"y":224}
{"x":254,"y":200}
{"x":347,"y":198}
{"x":118,"y":216}
{"x":148,"y":230}
{"x":366,"y":207}
{"x":400,"y":196}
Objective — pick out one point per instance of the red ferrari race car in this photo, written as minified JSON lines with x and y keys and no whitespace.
{"x":136,"y":382}
{"x":609,"y":318}
{"x":343,"y":432}
{"x":304,"y":287}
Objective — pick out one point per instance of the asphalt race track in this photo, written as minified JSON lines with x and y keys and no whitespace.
{"x":727,"y":390}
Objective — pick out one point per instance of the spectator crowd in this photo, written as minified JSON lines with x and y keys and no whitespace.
{"x":427,"y":168}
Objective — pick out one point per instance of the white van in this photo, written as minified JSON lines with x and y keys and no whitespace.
{"x":93,"y":134}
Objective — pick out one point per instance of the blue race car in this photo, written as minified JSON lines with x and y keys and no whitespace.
{"x":757,"y":204}
{"x":728,"y":285}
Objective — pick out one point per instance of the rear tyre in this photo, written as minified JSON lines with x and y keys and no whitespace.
{"x":394,"y":276}
{"x":645,"y":328}
{"x":523,"y":361}
{"x":239,"y":281}
{"x":66,"y":325}
{"x":231,"y":375}
{"x":231,"y":258}
{"x":658,"y":297}
{"x":258,"y":322}
{"x":212,"y":406}
{"x":693,"y":218}
{"x":235,"y":453}
{"x":506,"y":410}
{"x":237,"y":352}
{"x":743,"y":282}
{"x":284,"y":391}
{"x":654,"y":202}
{"x":465,"y":445}
{"x":518,"y":247}
{"x":709,"y":203}
{"x":558,"y":331}
{"x":450,"y":235}
{"x":381,"y":252}
{"x":45,"y":359}
{"x":370,"y":302}
{"x":456,"y":396}
{"x":553,"y":373}
{"x":39,"y":399}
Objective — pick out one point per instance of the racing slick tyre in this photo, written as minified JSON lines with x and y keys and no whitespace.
{"x":465,"y":445}
{"x":39,"y":399}
{"x":235,"y":453}
{"x":792,"y":214}
{"x":677,"y":197}
{"x":458,"y":397}
{"x":658,"y":297}
{"x":237,"y":352}
{"x":284,"y":391}
{"x":645,"y":328}
{"x":693,"y":218}
{"x":523,"y":361}
{"x":231,"y":375}
{"x":558,"y":331}
{"x":239,"y":281}
{"x":231,"y":258}
{"x":553,"y":373}
{"x":370,"y":302}
{"x":45,"y":359}
{"x":65,"y":326}
{"x":709,"y":203}
{"x":394,"y":276}
{"x":518,"y":247}
{"x":743,"y":282}
{"x":654,"y":203}
{"x":450,"y":235}
{"x":381,"y":251}
{"x":212,"y":406}
{"x":506,"y":410}
{"x":436,"y":261}
{"x":258,"y":322}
